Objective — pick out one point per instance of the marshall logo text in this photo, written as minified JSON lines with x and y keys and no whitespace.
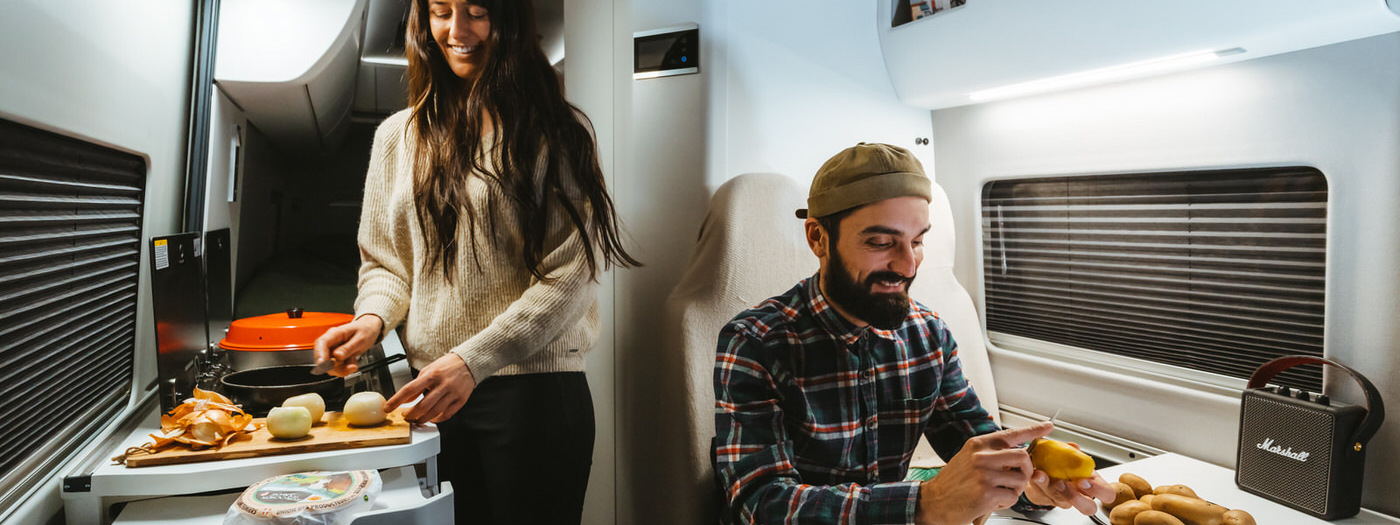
{"x":1269,"y":446}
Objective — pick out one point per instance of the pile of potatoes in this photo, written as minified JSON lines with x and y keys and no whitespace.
{"x":1138,"y":503}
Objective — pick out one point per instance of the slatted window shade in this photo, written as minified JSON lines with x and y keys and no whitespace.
{"x":70,"y":248}
{"x":1218,"y":271}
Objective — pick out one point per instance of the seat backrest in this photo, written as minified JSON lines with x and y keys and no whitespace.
{"x":752,"y":247}
{"x":937,"y":288}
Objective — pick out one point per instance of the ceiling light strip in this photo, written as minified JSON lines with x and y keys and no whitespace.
{"x":1103,"y":75}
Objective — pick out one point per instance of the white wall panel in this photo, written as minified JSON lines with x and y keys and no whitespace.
{"x":781,"y":88}
{"x":225,"y":120}
{"x":662,"y":200}
{"x":798,"y":82}
{"x":117,"y":74}
{"x":596,"y":74}
{"x":1334,"y":108}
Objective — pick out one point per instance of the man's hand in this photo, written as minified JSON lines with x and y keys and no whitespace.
{"x":989,"y":473}
{"x":445,"y":384}
{"x":346,"y":342}
{"x":1076,"y":493}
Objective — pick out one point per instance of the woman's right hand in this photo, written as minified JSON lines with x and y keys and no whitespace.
{"x":346,"y":342}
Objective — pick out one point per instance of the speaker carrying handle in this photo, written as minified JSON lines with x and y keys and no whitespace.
{"x":1375,"y":407}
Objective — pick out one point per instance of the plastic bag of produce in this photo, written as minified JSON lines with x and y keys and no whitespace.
{"x":306,"y":498}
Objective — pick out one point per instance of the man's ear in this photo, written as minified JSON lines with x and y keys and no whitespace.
{"x":817,"y":239}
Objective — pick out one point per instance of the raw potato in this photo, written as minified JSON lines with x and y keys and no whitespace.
{"x":1156,"y":517}
{"x":365,"y":409}
{"x":312,"y":402}
{"x":288,"y":422}
{"x":1180,"y":490}
{"x":1140,"y":486}
{"x":1238,"y":517}
{"x":1192,"y":511}
{"x":1178,"y":503}
{"x":1125,"y":514}
{"x":1123,"y":494}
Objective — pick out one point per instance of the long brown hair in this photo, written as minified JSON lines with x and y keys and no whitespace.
{"x":523,"y":97}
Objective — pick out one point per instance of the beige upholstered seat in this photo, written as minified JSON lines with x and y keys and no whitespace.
{"x":751,"y":247}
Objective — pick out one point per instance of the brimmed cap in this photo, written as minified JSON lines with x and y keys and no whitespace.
{"x":863,"y":174}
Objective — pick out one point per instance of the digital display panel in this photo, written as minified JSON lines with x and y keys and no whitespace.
{"x":666,"y":53}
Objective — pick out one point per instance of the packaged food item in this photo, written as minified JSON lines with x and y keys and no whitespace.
{"x":306,"y":498}
{"x":921,"y":8}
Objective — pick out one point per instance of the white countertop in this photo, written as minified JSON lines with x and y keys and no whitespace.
{"x":1211,"y":482}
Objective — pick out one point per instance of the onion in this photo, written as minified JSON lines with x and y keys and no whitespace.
{"x":365,"y":409}
{"x":288,"y":422}
{"x":204,"y":431}
{"x":312,"y":402}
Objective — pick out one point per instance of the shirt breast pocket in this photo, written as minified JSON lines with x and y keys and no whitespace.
{"x":911,"y":417}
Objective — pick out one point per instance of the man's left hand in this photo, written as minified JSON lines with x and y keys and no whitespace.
{"x":1077,"y":493}
{"x":445,"y":385}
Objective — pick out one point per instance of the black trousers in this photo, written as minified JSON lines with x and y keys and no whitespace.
{"x":520,"y":450}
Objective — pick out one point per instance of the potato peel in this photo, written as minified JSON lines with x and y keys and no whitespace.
{"x":208,"y":419}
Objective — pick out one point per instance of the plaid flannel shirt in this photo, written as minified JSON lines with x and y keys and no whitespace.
{"x":816,"y":419}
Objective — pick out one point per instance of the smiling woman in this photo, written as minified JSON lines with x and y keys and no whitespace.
{"x":461,"y":30}
{"x":484,"y":228}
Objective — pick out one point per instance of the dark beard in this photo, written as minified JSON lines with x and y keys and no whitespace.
{"x":885,"y":311}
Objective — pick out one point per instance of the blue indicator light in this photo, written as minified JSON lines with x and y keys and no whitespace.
{"x":683,"y":59}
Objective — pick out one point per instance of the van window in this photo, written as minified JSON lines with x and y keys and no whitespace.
{"x":70,"y":251}
{"x":1213,"y":271}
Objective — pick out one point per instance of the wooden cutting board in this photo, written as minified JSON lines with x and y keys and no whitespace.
{"x":335,"y":434}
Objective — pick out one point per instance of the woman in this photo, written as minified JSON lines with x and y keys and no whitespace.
{"x":484,"y":227}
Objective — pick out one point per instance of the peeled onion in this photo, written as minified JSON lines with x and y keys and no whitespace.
{"x":312,"y":402}
{"x":205,"y":432}
{"x":365,"y":409}
{"x":289,"y":422}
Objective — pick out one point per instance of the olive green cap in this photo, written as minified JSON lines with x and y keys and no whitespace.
{"x":863,"y":174}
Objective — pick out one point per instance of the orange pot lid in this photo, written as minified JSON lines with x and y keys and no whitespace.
{"x":290,"y":330}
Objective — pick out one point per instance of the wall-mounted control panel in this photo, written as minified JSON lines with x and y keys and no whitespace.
{"x":666,"y":52}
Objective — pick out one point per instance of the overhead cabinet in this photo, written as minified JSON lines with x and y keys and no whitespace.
{"x":291,"y":67}
{"x":960,"y":52}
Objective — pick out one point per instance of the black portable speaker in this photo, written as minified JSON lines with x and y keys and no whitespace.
{"x":1302,"y":449}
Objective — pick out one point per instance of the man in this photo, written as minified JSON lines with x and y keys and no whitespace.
{"x":822,"y":392}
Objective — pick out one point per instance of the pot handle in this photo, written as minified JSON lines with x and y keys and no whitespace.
{"x":378,"y":364}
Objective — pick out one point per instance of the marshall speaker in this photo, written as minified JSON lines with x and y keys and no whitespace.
{"x":1300,"y":448}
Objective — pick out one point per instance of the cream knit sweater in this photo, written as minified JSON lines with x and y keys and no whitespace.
{"x":493,"y":314}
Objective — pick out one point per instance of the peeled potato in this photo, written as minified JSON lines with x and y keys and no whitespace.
{"x":312,"y":402}
{"x":365,"y":409}
{"x":1060,"y":460}
{"x":288,"y":422}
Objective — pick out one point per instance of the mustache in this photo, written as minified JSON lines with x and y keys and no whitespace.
{"x":887,"y":275}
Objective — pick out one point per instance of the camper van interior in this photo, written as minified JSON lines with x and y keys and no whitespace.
{"x":1135,"y":207}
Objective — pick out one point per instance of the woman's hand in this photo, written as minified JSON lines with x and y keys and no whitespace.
{"x":346,"y":342}
{"x":445,"y":385}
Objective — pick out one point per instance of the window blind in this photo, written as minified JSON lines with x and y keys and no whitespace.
{"x":70,"y":229}
{"x":1218,"y":271}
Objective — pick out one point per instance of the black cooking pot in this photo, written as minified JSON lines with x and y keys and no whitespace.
{"x":260,"y":389}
